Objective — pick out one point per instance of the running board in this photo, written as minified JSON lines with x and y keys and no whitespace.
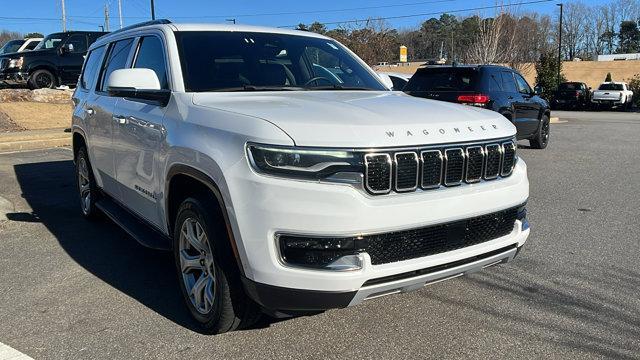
{"x":136,"y":228}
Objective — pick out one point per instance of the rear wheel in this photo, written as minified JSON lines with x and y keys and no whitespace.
{"x":541,"y":139}
{"x":210,"y":284}
{"x":42,"y":79}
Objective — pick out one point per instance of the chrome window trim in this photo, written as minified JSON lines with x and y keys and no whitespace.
{"x":395,"y":159}
{"x":466,"y":177}
{"x":366,"y":172}
{"x":446,"y":165}
{"x":440,"y":156}
{"x":502,"y":173}
{"x":485,"y":176}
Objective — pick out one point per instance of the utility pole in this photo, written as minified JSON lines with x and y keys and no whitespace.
{"x":106,"y":16}
{"x":153,"y":10}
{"x":64,"y":17}
{"x":120,"y":12}
{"x":559,"y":45}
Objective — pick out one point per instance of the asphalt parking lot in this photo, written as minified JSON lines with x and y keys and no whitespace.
{"x":74,"y":289}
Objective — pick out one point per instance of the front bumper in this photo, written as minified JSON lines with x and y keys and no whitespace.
{"x":289,"y":300}
{"x":265,"y":206}
{"x":13,"y":77}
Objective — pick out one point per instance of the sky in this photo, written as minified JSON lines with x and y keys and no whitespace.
{"x":44,"y":16}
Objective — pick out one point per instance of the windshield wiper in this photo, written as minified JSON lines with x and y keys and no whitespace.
{"x":257,"y":88}
{"x":338,"y":87}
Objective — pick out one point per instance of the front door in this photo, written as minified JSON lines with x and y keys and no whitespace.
{"x":71,"y":58}
{"x":138,"y":138}
{"x":529,"y":107}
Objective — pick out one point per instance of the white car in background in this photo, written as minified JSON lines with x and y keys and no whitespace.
{"x":610,"y":94}
{"x":393,"y":80}
{"x":19,"y":45}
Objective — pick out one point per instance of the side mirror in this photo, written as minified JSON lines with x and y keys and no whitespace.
{"x":538,"y":90}
{"x":67,"y":48}
{"x":137,"y":84}
{"x":386,"y":80}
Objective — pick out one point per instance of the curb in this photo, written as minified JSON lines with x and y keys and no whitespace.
{"x":36,"y":139}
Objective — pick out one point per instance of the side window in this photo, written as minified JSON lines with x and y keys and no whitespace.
{"x":523,"y":87}
{"x":151,"y":56}
{"x":117,"y":59}
{"x":32,"y":45}
{"x":495,"y":82}
{"x":508,"y":83}
{"x":79,"y":42}
{"x":91,"y":66}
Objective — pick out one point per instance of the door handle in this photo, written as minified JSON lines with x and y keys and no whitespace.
{"x":89,"y":111}
{"x":120,"y":119}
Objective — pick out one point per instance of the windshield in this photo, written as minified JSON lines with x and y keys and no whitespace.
{"x":610,"y":87}
{"x":247,"y":61}
{"x":50,"y":42}
{"x":443,"y":79}
{"x":11,"y":46}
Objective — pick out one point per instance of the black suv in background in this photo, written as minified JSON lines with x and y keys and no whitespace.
{"x":57,"y":60}
{"x":497,"y":88}
{"x":572,"y":95}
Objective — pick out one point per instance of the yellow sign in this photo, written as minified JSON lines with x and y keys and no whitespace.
{"x":403,"y":54}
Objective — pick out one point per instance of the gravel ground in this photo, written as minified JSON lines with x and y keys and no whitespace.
{"x":74,"y":289}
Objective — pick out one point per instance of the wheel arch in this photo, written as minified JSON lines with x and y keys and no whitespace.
{"x":78,"y":140}
{"x":182,"y":181}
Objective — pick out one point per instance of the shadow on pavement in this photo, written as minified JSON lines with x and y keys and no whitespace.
{"x":100,"y":247}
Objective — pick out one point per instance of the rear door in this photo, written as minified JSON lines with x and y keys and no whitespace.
{"x":138,"y":136}
{"x":70,"y":62}
{"x":101,"y":122}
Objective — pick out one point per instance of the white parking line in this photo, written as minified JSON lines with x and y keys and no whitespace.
{"x":9,"y":353}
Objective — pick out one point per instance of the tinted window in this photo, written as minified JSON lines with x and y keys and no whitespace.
{"x":610,"y":87}
{"x":398,"y":83}
{"x":79,"y":42}
{"x":443,"y":79}
{"x":523,"y":86}
{"x":118,"y":54}
{"x":32,"y":45}
{"x":151,"y":56}
{"x":50,"y":42}
{"x":494,"y":81}
{"x":237,"y":61}
{"x":569,"y":86}
{"x":508,"y":83}
{"x":91,"y":66}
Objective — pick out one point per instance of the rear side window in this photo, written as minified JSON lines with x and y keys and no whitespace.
{"x":32,"y":45}
{"x":91,"y":67}
{"x":151,"y":56}
{"x":494,"y":81}
{"x":445,"y":79}
{"x":508,"y":82}
{"x":117,"y":59}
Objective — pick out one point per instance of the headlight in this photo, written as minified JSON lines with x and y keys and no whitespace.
{"x":15,"y":63}
{"x":302,"y":163}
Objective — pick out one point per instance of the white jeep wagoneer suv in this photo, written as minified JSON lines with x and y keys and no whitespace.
{"x":283,"y":175}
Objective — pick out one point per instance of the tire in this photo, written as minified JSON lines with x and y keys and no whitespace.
{"x":42,"y":79}
{"x":209,"y":280}
{"x":541,"y":139}
{"x":87,"y":188}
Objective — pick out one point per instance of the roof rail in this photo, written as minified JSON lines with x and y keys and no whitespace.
{"x":145,"y":23}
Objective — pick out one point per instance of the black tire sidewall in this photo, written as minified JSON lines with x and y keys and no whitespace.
{"x":32,"y":79}
{"x":538,"y":142}
{"x":193,"y":208}
{"x":93,"y":188}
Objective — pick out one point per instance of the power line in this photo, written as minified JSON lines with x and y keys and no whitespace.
{"x":423,"y":14}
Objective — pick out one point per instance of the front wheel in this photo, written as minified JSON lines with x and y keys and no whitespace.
{"x":42,"y":79}
{"x":87,"y":187}
{"x":210,"y":285}
{"x":541,"y":138}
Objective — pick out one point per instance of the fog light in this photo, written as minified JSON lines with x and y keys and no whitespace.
{"x":338,"y":254}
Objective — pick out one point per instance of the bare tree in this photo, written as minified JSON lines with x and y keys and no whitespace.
{"x":573,"y":28}
{"x":493,"y":44}
{"x":8,"y":35}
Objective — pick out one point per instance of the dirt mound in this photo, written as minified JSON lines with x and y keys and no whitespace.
{"x":50,"y":96}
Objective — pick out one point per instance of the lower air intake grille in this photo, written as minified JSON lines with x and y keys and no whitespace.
{"x":431,"y":240}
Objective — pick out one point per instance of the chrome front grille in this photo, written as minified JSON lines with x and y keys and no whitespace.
{"x":430,"y":168}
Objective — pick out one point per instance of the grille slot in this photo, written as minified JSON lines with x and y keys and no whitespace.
{"x":454,"y":166}
{"x":378,"y":173}
{"x":431,"y":168}
{"x":475,"y":161}
{"x":406,"y":171}
{"x":509,"y":157}
{"x":410,"y":244}
{"x":492,"y":159}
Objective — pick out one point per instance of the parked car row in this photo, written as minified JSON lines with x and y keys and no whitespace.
{"x":19,"y":45}
{"x":55,"y":60}
{"x":579,"y":96}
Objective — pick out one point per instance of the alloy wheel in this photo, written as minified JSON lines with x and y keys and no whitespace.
{"x":44,"y":80}
{"x":84,"y":185}
{"x":197,"y":265}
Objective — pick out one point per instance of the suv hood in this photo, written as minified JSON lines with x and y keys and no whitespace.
{"x":362,"y":119}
